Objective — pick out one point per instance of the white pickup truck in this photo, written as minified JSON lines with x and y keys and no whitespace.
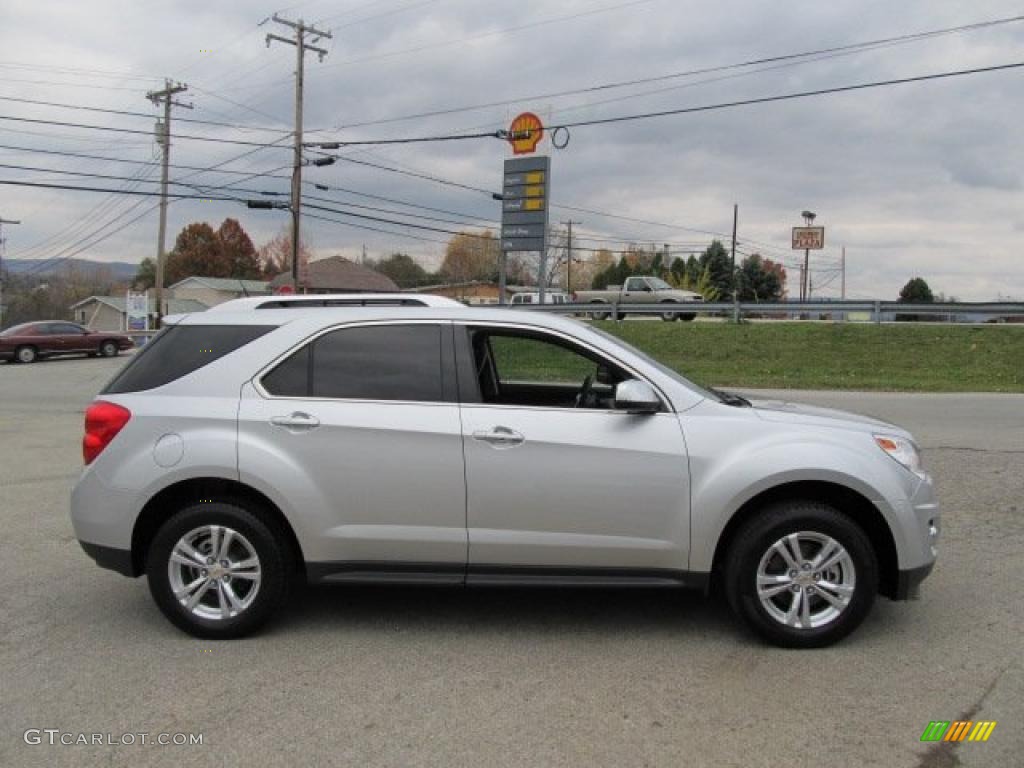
{"x":640,"y":290}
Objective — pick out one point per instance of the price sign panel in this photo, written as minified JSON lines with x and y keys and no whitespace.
{"x":524,"y":208}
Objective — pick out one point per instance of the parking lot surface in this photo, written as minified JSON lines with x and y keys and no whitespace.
{"x":447,"y":677}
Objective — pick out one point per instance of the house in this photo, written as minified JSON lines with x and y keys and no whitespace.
{"x":107,"y":313}
{"x":211,"y":291}
{"x":338,"y":275}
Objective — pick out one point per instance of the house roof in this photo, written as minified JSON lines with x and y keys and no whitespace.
{"x":229,"y":284}
{"x":174,"y":306}
{"x":339,"y":275}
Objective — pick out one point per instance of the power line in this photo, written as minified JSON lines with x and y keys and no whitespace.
{"x":129,"y":113}
{"x":788,"y":96}
{"x":66,"y":124}
{"x":854,"y":47}
{"x":176,"y":195}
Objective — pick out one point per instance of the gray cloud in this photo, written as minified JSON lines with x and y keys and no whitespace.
{"x":912,"y":180}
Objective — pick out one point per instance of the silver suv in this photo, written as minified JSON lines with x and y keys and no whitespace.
{"x":242,"y":453}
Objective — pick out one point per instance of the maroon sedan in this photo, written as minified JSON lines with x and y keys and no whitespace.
{"x":29,"y":341}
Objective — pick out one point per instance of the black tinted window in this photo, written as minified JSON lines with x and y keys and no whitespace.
{"x":179,"y":350}
{"x":291,"y":377}
{"x":385,"y":362}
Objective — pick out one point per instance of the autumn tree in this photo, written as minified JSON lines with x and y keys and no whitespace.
{"x":275,"y":256}
{"x":471,"y":256}
{"x":196,"y":251}
{"x":199,"y":250}
{"x":237,"y":251}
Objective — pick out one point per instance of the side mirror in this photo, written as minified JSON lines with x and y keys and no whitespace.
{"x":635,"y":396}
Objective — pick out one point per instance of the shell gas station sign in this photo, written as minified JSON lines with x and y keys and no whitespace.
{"x":525,"y":189}
{"x":525,"y":133}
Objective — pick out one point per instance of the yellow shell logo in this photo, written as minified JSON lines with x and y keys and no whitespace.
{"x":525,"y":133}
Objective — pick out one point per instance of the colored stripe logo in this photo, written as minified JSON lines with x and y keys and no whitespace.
{"x":958,"y":730}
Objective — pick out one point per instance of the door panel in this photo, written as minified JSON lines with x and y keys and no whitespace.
{"x":360,"y":432}
{"x":582,"y":488}
{"x":370,"y":482}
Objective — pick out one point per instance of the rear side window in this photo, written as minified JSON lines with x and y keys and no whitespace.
{"x":180,"y":350}
{"x":385,"y":362}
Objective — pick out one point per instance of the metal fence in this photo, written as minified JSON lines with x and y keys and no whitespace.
{"x":837,"y":311}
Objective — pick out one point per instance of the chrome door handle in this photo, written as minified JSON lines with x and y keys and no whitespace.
{"x":499,"y":437}
{"x":296,"y":421}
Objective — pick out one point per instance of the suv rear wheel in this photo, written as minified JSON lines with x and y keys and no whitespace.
{"x":801,"y":574}
{"x":217,"y":571}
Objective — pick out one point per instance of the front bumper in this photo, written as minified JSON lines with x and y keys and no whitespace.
{"x":908,"y":583}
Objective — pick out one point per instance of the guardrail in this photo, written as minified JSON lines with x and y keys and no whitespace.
{"x":870,"y":311}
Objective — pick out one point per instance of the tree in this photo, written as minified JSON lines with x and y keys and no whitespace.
{"x":706,"y":287}
{"x":196,"y":251}
{"x":145,"y":276}
{"x":275,"y":256}
{"x":916,"y":291}
{"x":717,"y":262}
{"x":401,"y":268}
{"x":237,"y":251}
{"x":760,"y":280}
{"x":471,"y":256}
{"x":199,"y":250}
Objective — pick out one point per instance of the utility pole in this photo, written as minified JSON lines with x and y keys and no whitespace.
{"x":735,"y":281}
{"x":842,"y":265}
{"x":568,"y":261}
{"x":301,"y":46}
{"x":165,"y":97}
{"x":3,"y":245}
{"x":809,"y":217}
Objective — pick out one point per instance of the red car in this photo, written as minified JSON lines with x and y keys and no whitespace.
{"x":26,"y":342}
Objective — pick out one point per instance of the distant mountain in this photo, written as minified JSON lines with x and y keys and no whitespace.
{"x":120,"y":270}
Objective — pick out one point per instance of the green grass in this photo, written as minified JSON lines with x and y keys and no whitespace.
{"x":919,"y":357}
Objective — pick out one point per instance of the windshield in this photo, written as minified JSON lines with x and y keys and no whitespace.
{"x":675,"y":375}
{"x":14,"y":330}
{"x":658,"y":284}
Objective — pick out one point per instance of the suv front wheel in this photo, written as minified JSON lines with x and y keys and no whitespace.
{"x":801,"y":574}
{"x":217,"y":571}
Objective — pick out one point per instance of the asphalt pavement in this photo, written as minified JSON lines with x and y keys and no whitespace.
{"x":448,"y":677}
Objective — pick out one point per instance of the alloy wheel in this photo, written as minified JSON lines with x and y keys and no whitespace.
{"x":214,"y":572}
{"x":806,"y":580}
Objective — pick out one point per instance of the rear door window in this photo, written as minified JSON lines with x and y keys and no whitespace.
{"x":381,"y":362}
{"x":180,"y":350}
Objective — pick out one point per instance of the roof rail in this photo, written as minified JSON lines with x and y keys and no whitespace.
{"x":305,"y":301}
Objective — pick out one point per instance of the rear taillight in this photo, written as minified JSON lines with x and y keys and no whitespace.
{"x":102,"y":423}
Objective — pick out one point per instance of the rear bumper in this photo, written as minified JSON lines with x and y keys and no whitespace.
{"x":111,"y":558}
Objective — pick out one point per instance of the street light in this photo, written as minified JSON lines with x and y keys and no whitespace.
{"x":809,"y":217}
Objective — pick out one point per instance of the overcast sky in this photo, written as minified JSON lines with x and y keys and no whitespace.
{"x":921,"y":179}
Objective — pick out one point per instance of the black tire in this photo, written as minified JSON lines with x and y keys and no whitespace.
{"x":600,"y":315}
{"x":26,"y":354}
{"x":755,"y":539}
{"x":275,"y":564}
{"x":109,"y":348}
{"x":669,"y":317}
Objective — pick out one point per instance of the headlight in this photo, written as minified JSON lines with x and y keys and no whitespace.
{"x":903,"y":451}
